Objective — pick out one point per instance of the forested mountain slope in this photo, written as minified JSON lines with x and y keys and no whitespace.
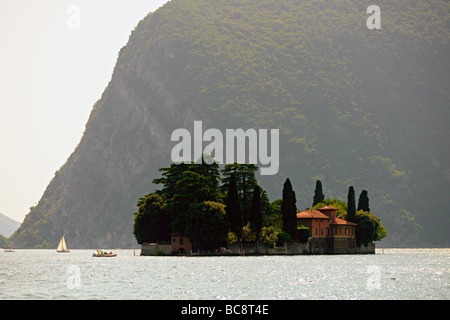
{"x":354,"y":106}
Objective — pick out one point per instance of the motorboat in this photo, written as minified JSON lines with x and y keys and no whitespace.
{"x":100,"y":253}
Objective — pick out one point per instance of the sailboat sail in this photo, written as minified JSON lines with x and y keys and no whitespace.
{"x":62,"y":247}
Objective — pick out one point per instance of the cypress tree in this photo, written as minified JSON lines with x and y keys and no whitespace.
{"x":363,"y":202}
{"x":256,"y":212}
{"x":351,"y":206}
{"x":318,"y":194}
{"x":233,"y":208}
{"x":245,"y":182}
{"x":289,"y":209}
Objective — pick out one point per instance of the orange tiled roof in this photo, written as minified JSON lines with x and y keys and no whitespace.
{"x":328,"y":208}
{"x":343,"y":222}
{"x":309,"y":214}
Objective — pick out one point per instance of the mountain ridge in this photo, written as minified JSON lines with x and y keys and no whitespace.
{"x":7,"y":225}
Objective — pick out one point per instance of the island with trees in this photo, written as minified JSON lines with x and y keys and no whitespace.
{"x":204,"y":210}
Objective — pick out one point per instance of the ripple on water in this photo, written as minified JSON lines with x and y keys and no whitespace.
{"x":394,"y":274}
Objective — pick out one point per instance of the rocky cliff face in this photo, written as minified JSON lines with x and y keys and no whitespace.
{"x":354,"y":107}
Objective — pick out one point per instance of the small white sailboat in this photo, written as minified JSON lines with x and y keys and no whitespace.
{"x":62,"y":247}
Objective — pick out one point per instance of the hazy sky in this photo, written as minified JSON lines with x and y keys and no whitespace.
{"x":56,"y":58}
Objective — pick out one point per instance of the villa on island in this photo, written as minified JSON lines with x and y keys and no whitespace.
{"x":329,"y":234}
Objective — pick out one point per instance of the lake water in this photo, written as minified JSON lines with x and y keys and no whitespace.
{"x":393,"y":274}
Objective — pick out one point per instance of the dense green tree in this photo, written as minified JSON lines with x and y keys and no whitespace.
{"x":318,"y":193}
{"x":368,"y":228}
{"x":245,"y":182}
{"x":210,"y":171}
{"x":269,"y":236}
{"x":256,"y":220}
{"x":283,"y":237}
{"x":363,"y":202}
{"x":266,"y":208}
{"x":289,"y":209}
{"x":245,"y":177}
{"x":248,"y":233}
{"x":233,"y":208}
{"x":274,"y":218}
{"x":351,"y":206}
{"x":190,"y":189}
{"x":169,"y":179}
{"x":173,"y":174}
{"x":184,"y":184}
{"x":151,"y":221}
{"x":207,"y":226}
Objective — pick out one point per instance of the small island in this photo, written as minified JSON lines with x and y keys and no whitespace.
{"x":203,"y":210}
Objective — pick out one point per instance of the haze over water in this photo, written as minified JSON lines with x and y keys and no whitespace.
{"x":389,"y":274}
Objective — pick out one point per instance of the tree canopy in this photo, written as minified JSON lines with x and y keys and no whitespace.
{"x":318,"y":193}
{"x":191,"y":202}
{"x":289,"y":209}
{"x":245,"y":183}
{"x":206,"y":225}
{"x":194,"y":202}
{"x":363,"y":202}
{"x":351,"y":206}
{"x":256,"y":220}
{"x":151,"y":221}
{"x":369,"y":228}
{"x":233,"y":208}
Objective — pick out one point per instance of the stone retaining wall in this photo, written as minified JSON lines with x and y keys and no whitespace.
{"x":313,"y":246}
{"x":297,"y":248}
{"x":153,"y":249}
